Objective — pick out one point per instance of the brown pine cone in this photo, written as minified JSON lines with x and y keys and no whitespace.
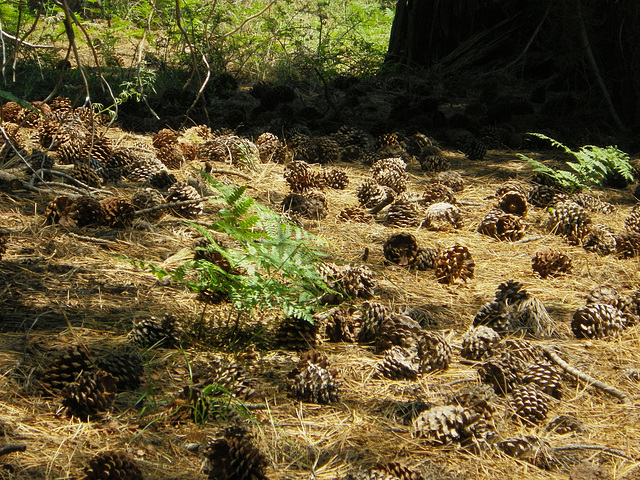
{"x":549,"y":263}
{"x":400,"y":248}
{"x":112,"y":465}
{"x":454,"y":263}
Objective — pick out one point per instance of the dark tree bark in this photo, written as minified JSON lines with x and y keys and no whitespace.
{"x":588,"y":46}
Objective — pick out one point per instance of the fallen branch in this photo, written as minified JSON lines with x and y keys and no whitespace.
{"x":12,"y":447}
{"x":553,"y":356}
{"x":99,"y":241}
{"x":183,"y":203}
{"x":69,"y":178}
{"x":595,"y":447}
{"x":228,"y":172}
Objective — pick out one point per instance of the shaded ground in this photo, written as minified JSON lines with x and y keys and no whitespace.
{"x":59,"y":286}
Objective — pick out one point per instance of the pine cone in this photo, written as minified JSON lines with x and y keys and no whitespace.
{"x":389,"y":471}
{"x":513,"y":202}
{"x":231,"y":377}
{"x":350,"y":281}
{"x":434,"y":352}
{"x":547,"y":377}
{"x":400,"y":248}
{"x":598,"y":239}
{"x":403,"y":214}
{"x":343,"y":326}
{"x":86,"y":174}
{"x":355,"y":214}
{"x":321,"y":149}
{"x":549,"y":263}
{"x":391,"y":172}
{"x":164,"y":138}
{"x":152,"y":332}
{"x":61,"y":210}
{"x":445,"y":424}
{"x":478,"y":342}
{"x":434,"y":163}
{"x":89,"y":211}
{"x":592,"y":203}
{"x":314,"y":383}
{"x":496,"y":315}
{"x":442,"y":216}
{"x":312,"y":206}
{"x":371,"y":194}
{"x":171,"y":156}
{"x":372,"y":315}
{"x":437,"y":193}
{"x":568,"y":217}
{"x":235,"y":457}
{"x":454,"y":263}
{"x":512,"y":185}
{"x":118,"y":212}
{"x":504,"y":372}
{"x":399,"y":363}
{"x":628,"y":244}
{"x":336,"y":178}
{"x":451,"y":179}
{"x":529,"y":403}
{"x":598,"y":320}
{"x":425,"y":258}
{"x":500,"y":225}
{"x":542,"y":196}
{"x":145,"y":198}
{"x":302,"y":178}
{"x":112,"y":465}
{"x":270,"y":148}
{"x":64,"y":369}
{"x":92,"y":392}
{"x":397,"y":329}
{"x":126,"y":365}
{"x":297,"y":334}
{"x":474,"y":149}
{"x":180,"y":192}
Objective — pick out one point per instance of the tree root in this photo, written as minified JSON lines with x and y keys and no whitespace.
{"x":619,"y":394}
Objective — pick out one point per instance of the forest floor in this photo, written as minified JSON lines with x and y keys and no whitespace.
{"x":66,"y":286}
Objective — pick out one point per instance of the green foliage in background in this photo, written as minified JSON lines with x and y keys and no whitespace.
{"x":264,"y":40}
{"x":273,"y":265}
{"x":592,"y":166}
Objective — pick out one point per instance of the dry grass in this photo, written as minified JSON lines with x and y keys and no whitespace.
{"x":58,"y":289}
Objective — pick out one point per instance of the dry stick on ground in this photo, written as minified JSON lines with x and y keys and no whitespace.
{"x":553,"y":356}
{"x":12,"y":447}
{"x":74,"y":181}
{"x":595,"y":447}
{"x":228,"y":172}
{"x":183,"y":203}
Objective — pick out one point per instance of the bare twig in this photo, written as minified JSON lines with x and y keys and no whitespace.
{"x":69,"y":178}
{"x":99,"y":241}
{"x":530,"y":239}
{"x":27,"y":44}
{"x":555,"y":358}
{"x":228,"y":172}
{"x":595,"y":447}
{"x":183,"y":203}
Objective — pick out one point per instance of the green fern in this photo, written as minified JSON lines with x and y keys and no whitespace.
{"x":594,"y":164}
{"x":274,"y":265}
